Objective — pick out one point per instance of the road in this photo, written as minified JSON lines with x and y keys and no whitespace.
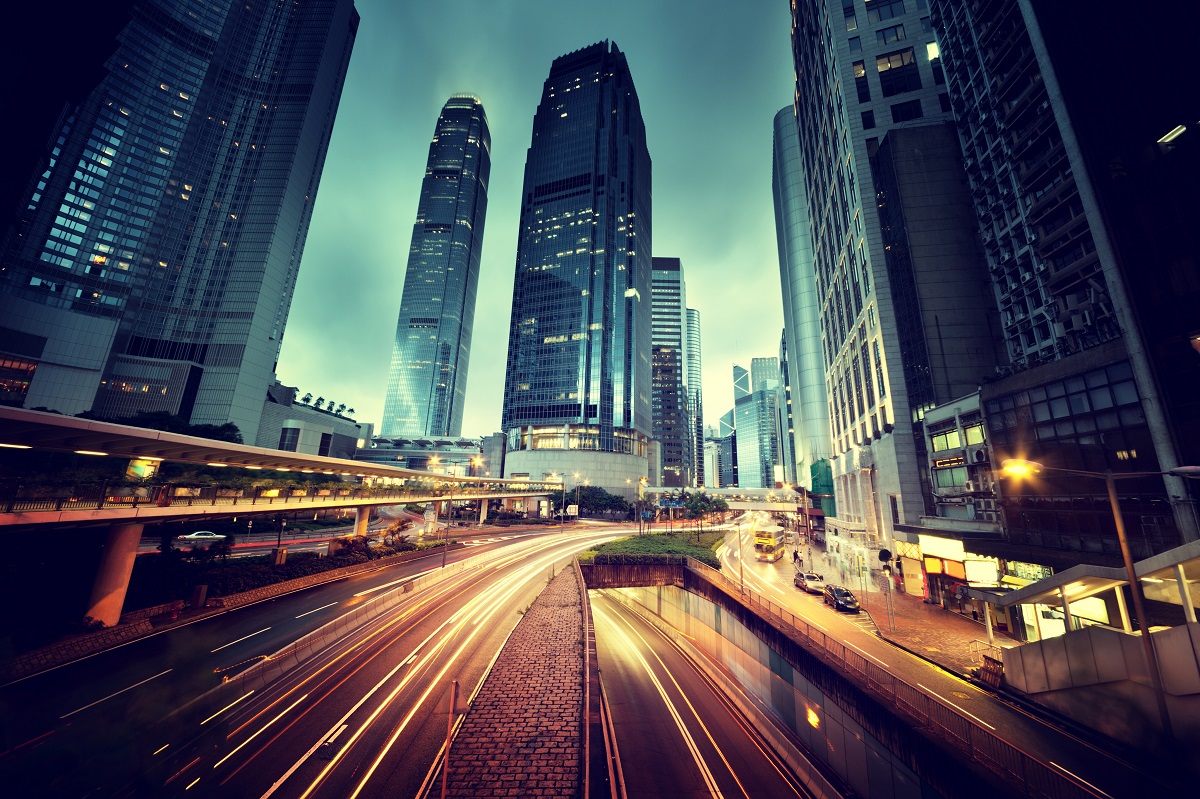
{"x":676,"y":733}
{"x":92,"y":726}
{"x":1097,"y":769}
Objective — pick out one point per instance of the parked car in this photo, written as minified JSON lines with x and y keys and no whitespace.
{"x":809,"y":582}
{"x":841,"y":599}
{"x":201,"y":537}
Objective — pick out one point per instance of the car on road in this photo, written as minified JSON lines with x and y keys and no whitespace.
{"x":200,"y":537}
{"x":841,"y":599}
{"x":809,"y":582}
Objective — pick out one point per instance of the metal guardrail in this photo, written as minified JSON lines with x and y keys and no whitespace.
{"x":1018,"y":768}
{"x":97,"y":496}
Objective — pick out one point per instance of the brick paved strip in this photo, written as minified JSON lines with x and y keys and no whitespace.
{"x":523,"y":735}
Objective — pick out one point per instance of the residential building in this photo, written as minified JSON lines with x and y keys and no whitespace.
{"x":427,"y":379}
{"x":578,"y":384}
{"x":153,"y":261}
{"x":1083,"y":181}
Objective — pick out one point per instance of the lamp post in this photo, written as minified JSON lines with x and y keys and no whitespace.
{"x":446,"y":531}
{"x":1018,"y":467}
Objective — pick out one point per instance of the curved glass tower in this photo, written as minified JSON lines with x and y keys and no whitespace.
{"x":579,"y":373}
{"x":427,"y":381}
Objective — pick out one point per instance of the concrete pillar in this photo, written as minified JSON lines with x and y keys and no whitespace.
{"x":1067,"y":624}
{"x":987,"y":622}
{"x":483,"y":509}
{"x":1037,"y":620}
{"x":1185,"y":596}
{"x":112,"y":578}
{"x":1123,"y":609}
{"x":362,"y":515}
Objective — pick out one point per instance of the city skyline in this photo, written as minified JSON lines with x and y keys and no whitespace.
{"x":719,"y":219}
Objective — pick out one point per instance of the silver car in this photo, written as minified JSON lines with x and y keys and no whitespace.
{"x":201,"y":537}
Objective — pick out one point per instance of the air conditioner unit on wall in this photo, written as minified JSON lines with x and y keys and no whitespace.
{"x":977,"y":453}
{"x":969,"y":486}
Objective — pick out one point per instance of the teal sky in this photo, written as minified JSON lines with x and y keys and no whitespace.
{"x":710,"y":76}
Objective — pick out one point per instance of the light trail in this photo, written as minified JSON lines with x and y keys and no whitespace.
{"x":117,"y":693}
{"x":238,"y":641}
{"x":407,"y":579}
{"x":260,"y":731}
{"x":709,"y":779}
{"x":931,"y":692}
{"x":222,"y":710}
{"x":1081,"y":779}
{"x":314,"y":610}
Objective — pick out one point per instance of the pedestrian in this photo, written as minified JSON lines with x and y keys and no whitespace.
{"x":795,"y":556}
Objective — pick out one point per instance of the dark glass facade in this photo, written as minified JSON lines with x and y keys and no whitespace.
{"x":579,"y":340}
{"x":668,"y":358}
{"x":154,"y":259}
{"x":427,"y":381}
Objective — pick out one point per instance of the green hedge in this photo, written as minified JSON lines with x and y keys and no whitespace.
{"x":660,"y":544}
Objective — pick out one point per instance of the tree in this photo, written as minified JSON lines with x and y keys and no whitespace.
{"x":319,"y":402}
{"x":350,"y":412}
{"x":340,"y":408}
{"x":307,"y":398}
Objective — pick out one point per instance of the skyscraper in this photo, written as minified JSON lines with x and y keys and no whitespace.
{"x":695,"y":392}
{"x":427,"y":381}
{"x":668,"y":360}
{"x":805,"y":376}
{"x":899,"y":274}
{"x":577,"y":389}
{"x":1083,"y":180}
{"x":153,"y":262}
{"x":756,"y":426}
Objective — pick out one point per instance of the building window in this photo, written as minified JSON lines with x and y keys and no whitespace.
{"x":868,"y":119}
{"x":898,"y":72}
{"x":289,"y":439}
{"x":860,"y":82}
{"x":944,"y":99}
{"x":889,"y":35}
{"x":903,"y":112}
{"x":848,"y":11}
{"x":855,"y":44}
{"x":926,"y":26}
{"x":326,"y":443}
{"x":939,"y":77}
{"x":880,"y":10}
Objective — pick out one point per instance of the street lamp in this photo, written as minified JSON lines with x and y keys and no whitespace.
{"x":1019,"y":467}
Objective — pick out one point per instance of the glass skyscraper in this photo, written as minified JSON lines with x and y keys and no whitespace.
{"x":695,"y":394}
{"x":577,"y":390}
{"x":152,"y":264}
{"x":427,"y":381}
{"x":668,"y":358}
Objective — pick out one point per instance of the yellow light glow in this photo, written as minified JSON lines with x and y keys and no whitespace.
{"x":89,"y":452}
{"x":217,"y":464}
{"x":15,"y":446}
{"x":1018,"y":467}
{"x":814,"y":720}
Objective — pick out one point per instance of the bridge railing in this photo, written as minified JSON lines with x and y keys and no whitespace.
{"x":23,"y":498}
{"x":1015,"y":766}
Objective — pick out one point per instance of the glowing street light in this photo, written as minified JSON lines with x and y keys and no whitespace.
{"x":1021,"y":468}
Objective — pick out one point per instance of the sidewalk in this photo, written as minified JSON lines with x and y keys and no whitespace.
{"x":928,"y":631}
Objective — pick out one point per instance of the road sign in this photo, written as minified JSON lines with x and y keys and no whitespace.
{"x":572,"y":510}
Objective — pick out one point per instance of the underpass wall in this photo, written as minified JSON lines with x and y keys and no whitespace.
{"x":860,"y":741}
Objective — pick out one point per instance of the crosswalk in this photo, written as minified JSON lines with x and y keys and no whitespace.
{"x":478,"y":542}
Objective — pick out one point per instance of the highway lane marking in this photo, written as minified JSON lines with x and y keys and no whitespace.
{"x":868,"y":654}
{"x":222,"y":710}
{"x":118,"y":693}
{"x":261,"y":730}
{"x":931,"y":692}
{"x":314,"y":610}
{"x":238,"y":641}
{"x":1081,"y":779}
{"x":394,"y":582}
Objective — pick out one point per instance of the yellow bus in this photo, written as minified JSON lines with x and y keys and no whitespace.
{"x":769,"y":543}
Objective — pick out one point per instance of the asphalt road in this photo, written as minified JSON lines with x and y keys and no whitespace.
{"x":677,"y":735}
{"x":93,"y":727}
{"x":1056,"y":748}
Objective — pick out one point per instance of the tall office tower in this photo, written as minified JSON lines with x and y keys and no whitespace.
{"x":727,"y":439}
{"x":801,"y":305}
{"x":577,"y":390}
{"x":755,"y":425}
{"x":1083,"y":176}
{"x":695,"y":392}
{"x":427,"y":382}
{"x":786,"y":421}
{"x":153,"y":262}
{"x":668,"y":359}
{"x":712,"y":462}
{"x":904,"y":315}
